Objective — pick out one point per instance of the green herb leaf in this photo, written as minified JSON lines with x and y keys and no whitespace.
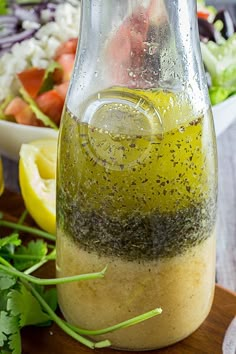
{"x":35,"y":249}
{"x":48,"y":81}
{"x":3,"y":300}
{"x":13,"y":239}
{"x":21,"y":302}
{"x":8,"y":325}
{"x":6,"y":281}
{"x":39,"y":114}
{"x":50,"y":296}
{"x":14,"y":343}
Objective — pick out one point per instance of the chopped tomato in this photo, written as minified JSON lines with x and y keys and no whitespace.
{"x":203,"y":14}
{"x":62,"y":89}
{"x":32,"y":80}
{"x":126,"y":49}
{"x":22,"y":112}
{"x":67,"y":63}
{"x":68,"y":47}
{"x":51,"y":104}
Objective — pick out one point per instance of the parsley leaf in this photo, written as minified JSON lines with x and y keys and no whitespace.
{"x":6,"y":280}
{"x":15,"y":343}
{"x":35,"y":249}
{"x":21,"y":302}
{"x":49,"y":295}
{"x":8,"y":325}
{"x":12,"y":239}
{"x":3,"y":299}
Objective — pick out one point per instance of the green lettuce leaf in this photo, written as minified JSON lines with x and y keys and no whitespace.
{"x":220,"y":94}
{"x":39,"y":114}
{"x":3,"y":7}
{"x":220,"y":61}
{"x":48,"y":81}
{"x":3,"y":106}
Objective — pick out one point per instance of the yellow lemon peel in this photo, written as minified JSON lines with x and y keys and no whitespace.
{"x":37,"y":176}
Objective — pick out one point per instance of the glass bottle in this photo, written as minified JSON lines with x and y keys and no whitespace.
{"x":137,"y":174}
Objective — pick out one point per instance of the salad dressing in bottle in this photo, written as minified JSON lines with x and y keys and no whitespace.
{"x":137,"y":175}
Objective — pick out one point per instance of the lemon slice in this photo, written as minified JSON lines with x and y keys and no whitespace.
{"x":37,"y":175}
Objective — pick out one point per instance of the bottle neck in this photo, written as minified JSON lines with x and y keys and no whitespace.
{"x":142,"y":44}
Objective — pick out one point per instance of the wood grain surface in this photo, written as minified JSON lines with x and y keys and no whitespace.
{"x":208,"y":339}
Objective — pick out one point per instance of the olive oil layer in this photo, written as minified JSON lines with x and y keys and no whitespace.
{"x":137,"y":196}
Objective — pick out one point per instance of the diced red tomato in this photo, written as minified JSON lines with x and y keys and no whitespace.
{"x":67,"y":63}
{"x":32,"y":80}
{"x":68,"y":47}
{"x":51,"y":104}
{"x":203,"y":14}
{"x":62,"y":89}
{"x":125,"y":51}
{"x":22,"y":112}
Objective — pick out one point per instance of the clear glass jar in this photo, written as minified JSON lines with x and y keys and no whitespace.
{"x":137,"y":174}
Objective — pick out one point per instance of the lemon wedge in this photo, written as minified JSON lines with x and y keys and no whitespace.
{"x":37,"y":176}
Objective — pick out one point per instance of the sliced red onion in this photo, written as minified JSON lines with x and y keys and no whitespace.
{"x":18,"y":37}
{"x":5,"y":32}
{"x":24,"y":14}
{"x":51,"y":6}
{"x":45,"y":6}
{"x":8,"y":19}
{"x":8,"y":25}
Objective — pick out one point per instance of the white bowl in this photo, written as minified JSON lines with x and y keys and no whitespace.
{"x":224,"y":114}
{"x":13,"y":135}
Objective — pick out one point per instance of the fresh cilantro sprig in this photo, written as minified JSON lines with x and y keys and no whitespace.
{"x":26,"y":300}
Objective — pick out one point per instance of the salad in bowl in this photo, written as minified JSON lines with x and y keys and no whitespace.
{"x":37,"y":51}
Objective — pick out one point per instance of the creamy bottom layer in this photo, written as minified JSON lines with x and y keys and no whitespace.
{"x":183,"y":286}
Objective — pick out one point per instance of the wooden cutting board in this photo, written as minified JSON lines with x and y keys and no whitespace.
{"x":208,"y":339}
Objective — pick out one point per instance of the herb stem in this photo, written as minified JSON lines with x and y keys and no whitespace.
{"x":124,"y":324}
{"x":54,"y":281}
{"x":62,"y":324}
{"x":5,"y":263}
{"x":35,"y":267}
{"x":38,"y":265}
{"x":25,"y":256}
{"x":28,"y":229}
{"x":22,"y":217}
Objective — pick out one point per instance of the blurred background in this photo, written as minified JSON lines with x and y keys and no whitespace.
{"x":230,"y":4}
